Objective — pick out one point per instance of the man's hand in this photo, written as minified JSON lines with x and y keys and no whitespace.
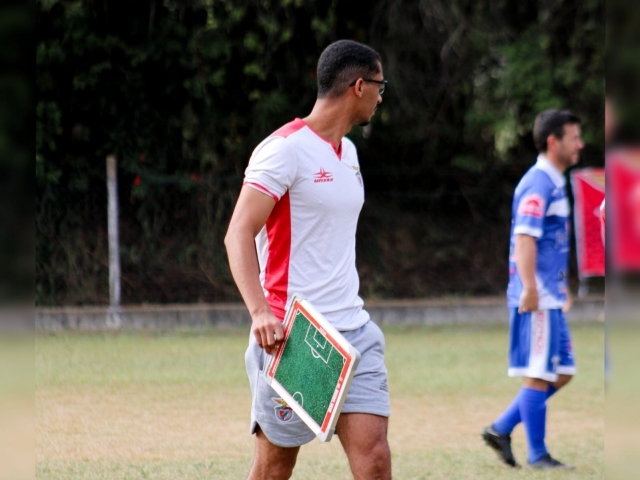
{"x":268,"y":331}
{"x":528,"y":300}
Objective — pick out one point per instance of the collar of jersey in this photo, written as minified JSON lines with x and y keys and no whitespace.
{"x":337,"y":149}
{"x":547,"y":167}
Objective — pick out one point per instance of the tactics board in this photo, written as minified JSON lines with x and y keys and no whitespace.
{"x":313,"y":368}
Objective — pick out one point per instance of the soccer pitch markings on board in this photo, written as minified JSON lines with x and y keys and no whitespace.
{"x":320,"y":349}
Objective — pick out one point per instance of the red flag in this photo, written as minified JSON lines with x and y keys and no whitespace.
{"x":623,"y":208}
{"x":588,"y":190}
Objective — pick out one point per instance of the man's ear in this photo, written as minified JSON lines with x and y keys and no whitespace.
{"x":359,"y":87}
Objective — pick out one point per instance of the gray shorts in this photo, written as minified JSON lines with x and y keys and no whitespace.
{"x":368,"y":393}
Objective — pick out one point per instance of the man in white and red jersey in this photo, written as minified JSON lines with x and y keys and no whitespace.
{"x":300,"y":202}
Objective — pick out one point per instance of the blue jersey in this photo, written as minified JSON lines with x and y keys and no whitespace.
{"x":541,"y":210}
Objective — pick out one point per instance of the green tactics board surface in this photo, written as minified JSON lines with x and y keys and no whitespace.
{"x":310,"y":368}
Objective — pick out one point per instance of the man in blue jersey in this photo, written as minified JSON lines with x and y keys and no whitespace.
{"x":537,"y":295}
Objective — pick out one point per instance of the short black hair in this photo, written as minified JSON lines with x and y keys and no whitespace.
{"x":552,"y":122}
{"x":342,"y":63}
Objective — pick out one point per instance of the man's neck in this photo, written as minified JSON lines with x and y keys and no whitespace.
{"x":330,"y":120}
{"x":553,"y":160}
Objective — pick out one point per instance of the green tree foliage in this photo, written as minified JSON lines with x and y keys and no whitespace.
{"x":466,"y":81}
{"x":623,"y":68}
{"x":16,"y":153}
{"x":181,"y":92}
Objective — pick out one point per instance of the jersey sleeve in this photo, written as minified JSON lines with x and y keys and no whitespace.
{"x":272,"y":168}
{"x":531,"y":209}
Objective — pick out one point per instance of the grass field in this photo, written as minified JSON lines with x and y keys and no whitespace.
{"x":175,"y":405}
{"x":17,"y":409}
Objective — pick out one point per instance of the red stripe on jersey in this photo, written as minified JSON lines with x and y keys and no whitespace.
{"x":276,"y":272}
{"x":257,"y":186}
{"x":297,"y":124}
{"x":289,"y":128}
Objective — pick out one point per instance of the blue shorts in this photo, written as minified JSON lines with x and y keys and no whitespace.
{"x":540,"y":345}
{"x":368,"y":393}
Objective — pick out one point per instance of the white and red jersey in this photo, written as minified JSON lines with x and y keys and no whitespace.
{"x":308,"y":243}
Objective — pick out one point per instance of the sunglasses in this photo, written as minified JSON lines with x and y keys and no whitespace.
{"x":382,"y":84}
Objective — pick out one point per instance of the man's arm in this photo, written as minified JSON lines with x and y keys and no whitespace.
{"x":526,"y":252}
{"x":249,"y":216}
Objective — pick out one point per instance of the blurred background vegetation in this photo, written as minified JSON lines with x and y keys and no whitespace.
{"x":17,"y":112}
{"x":182,"y":91}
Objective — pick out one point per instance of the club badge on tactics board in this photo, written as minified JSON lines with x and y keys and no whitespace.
{"x":312,"y":368}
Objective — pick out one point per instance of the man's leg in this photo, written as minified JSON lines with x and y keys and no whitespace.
{"x":533,"y":411}
{"x":510,"y":418}
{"x":269,"y":413}
{"x":529,"y":405}
{"x":364,"y":439}
{"x":270,"y":461}
{"x":552,"y":325}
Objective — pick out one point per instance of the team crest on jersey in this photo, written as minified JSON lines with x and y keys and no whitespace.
{"x":358,"y":175}
{"x":283,"y":412}
{"x":532,"y":205}
{"x":322,"y":176}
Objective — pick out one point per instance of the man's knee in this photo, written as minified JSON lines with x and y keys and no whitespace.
{"x":377,"y":460}
{"x":364,"y":439}
{"x":279,"y":472}
{"x":272,"y":462}
{"x":272,"y":469}
{"x":380,"y":453}
{"x":562,"y":381}
{"x":535,"y":383}
{"x":381,"y":463}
